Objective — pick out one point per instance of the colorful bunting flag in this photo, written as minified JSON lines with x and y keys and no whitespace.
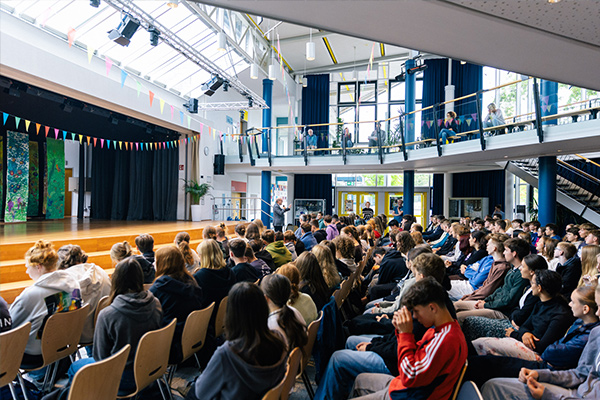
{"x":181,"y":116}
{"x":46,"y":128}
{"x":27,"y":122}
{"x":56,"y":133}
{"x":37,"y":128}
{"x":120,"y":145}
{"x":72,"y":136}
{"x":109,"y":64}
{"x":123,"y":77}
{"x":94,"y":142}
{"x":107,"y":144}
{"x":90,"y":53}
{"x":151,"y":95}
{"x":172,"y":111}
{"x":101,"y":143}
{"x":139,"y":87}
{"x":64,"y":135}
{"x":162,"y":105}
{"x":17,"y":122}
{"x":88,"y":140}
{"x":80,"y":139}
{"x":4,"y":118}
{"x":71,"y":36}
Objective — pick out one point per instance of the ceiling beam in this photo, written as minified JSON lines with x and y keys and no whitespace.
{"x":351,"y":64}
{"x":305,"y":38}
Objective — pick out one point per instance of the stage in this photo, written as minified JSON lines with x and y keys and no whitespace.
{"x":94,"y":236}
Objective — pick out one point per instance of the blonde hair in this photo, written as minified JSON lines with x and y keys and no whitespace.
{"x":327,"y":264}
{"x":290,"y":271}
{"x":417,"y":237}
{"x":43,"y":253}
{"x":260,"y":225}
{"x":211,"y":255}
{"x":120,"y":251}
{"x":589,"y":261}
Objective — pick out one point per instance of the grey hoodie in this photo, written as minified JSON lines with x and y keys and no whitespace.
{"x":228,"y":377}
{"x":125,"y":321}
{"x":31,"y":305}
{"x":584,"y":381}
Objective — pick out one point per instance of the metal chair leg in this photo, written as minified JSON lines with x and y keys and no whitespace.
{"x":12,"y":391}
{"x":167,"y":388}
{"x":308,"y":386}
{"x":23,"y":389}
{"x":198,"y":361}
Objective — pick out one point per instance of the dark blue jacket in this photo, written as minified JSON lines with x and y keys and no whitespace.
{"x":565,"y":353}
{"x":392,"y":268}
{"x":434,"y":235}
{"x":309,"y":241}
{"x":570,"y":272}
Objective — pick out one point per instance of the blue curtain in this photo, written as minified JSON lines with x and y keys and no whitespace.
{"x":437,"y":205}
{"x":467,"y":78}
{"x":489,"y":184}
{"x":314,"y":186}
{"x":315,"y":106}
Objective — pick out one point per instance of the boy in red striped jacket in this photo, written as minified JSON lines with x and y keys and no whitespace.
{"x":429,"y":368}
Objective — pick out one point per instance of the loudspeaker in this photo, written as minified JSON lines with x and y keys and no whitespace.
{"x":219,"y":164}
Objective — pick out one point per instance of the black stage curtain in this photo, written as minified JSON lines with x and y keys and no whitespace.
{"x":134,"y":185}
{"x":314,"y":186}
{"x":489,"y":184}
{"x":315,"y":106}
{"x":437,"y":205}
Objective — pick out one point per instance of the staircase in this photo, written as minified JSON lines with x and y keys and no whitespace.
{"x":577,"y":183}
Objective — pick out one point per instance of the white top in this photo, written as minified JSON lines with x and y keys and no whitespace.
{"x":274,"y":325}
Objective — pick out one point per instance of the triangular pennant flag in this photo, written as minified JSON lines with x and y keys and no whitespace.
{"x":46,"y":128}
{"x":37,"y":128}
{"x":164,"y":145}
{"x":549,"y":107}
{"x":5,"y":117}
{"x":422,"y":123}
{"x":56,"y":133}
{"x":137,"y":147}
{"x":80,"y":139}
{"x":17,"y":122}
{"x":123,"y":77}
{"x":64,"y":135}
{"x":201,"y":127}
{"x":139,"y":87}
{"x":469,"y":120}
{"x":94,"y":142}
{"x":109,"y":64}
{"x":546,"y":99}
{"x":439,"y":121}
{"x":461,"y":119}
{"x":88,"y":140}
{"x":90,"y":52}
{"x":151,"y":94}
{"x":544,"y":108}
{"x":71,"y":36}
{"x":162,"y":105}
{"x":126,"y":147}
{"x":72,"y":136}
{"x":115,"y":144}
{"x":120,"y":145}
{"x":474,"y":115}
{"x":428,"y":124}
{"x":107,"y":144}
{"x":189,"y":119}
{"x":168,"y":145}
{"x":181,"y":116}
{"x":27,"y":122}
{"x":101,"y":143}
{"x":131,"y":146}
{"x":172,"y":112}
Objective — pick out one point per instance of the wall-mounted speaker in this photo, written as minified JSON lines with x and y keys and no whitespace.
{"x":219,"y":164}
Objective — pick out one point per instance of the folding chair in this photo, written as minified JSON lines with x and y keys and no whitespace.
{"x":313,"y":329}
{"x":220,"y":319}
{"x":459,"y":381}
{"x":12,"y":348}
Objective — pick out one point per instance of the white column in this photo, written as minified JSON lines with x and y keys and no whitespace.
{"x":447,"y":193}
{"x":449,"y":90}
{"x":289,"y":216}
{"x":509,"y":195}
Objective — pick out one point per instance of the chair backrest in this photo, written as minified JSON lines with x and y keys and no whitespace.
{"x":459,"y":381}
{"x":194,"y":331}
{"x":294,"y":361}
{"x":220,"y":319}
{"x":152,"y":356}
{"x":275,"y":393}
{"x":344,"y":291}
{"x":102,"y":304}
{"x":312,"y":331}
{"x":87,"y":383}
{"x":62,"y":333}
{"x":12,"y":347}
{"x":469,"y":391}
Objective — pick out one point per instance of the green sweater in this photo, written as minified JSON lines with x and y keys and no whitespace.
{"x":281,"y":255}
{"x":507,"y":296}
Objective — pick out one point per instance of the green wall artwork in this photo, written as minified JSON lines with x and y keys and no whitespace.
{"x":55,"y":207}
{"x":33,"y":204}
{"x":1,"y":172}
{"x":17,"y":177}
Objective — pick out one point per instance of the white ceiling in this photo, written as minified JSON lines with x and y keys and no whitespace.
{"x":560,"y":42}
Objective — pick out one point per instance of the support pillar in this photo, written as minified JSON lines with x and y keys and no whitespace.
{"x":409,"y":193}
{"x":81,"y":189}
{"x":447,"y":193}
{"x":410,"y":103}
{"x":266,"y":115}
{"x":549,"y":100}
{"x":265,"y":195}
{"x":509,"y":195}
{"x":547,"y":190}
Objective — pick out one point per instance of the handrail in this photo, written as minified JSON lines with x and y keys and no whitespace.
{"x":580,"y":172}
{"x":588,"y":160}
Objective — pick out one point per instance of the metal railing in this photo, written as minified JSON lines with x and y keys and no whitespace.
{"x":249,"y":208}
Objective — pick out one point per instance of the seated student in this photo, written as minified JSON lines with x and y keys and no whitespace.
{"x":461,"y":248}
{"x":408,"y":221}
{"x":94,"y":282}
{"x":551,"y":230}
{"x":252,"y":360}
{"x":436,"y":230}
{"x":258,"y":247}
{"x":548,"y":322}
{"x":328,"y":265}
{"x":222,"y":239}
{"x":300,"y":301}
{"x":121,"y":251}
{"x":52,"y":291}
{"x":5,"y":319}
{"x":345,"y":252}
{"x":311,"y":279}
{"x":281,"y":255}
{"x":451,"y":128}
{"x":562,"y":354}
{"x":445,"y":226}
{"x":283,"y":318}
{"x":351,"y":232}
{"x":192,"y":261}
{"x":289,"y":241}
{"x":307,"y":238}
{"x":145,"y":245}
{"x":392,"y":268}
{"x":394,"y":227}
{"x":477,"y":244}
{"x":546,"y":247}
{"x":590,"y":265}
{"x":507,"y":295}
{"x":318,"y":233}
{"x":178,"y":293}
{"x":243,"y":271}
{"x":132,"y":313}
{"x":341,"y":267}
{"x":260,"y":265}
{"x":580,"y":382}
{"x":454,"y":231}
{"x":477,"y":273}
{"x":569,"y":267}
{"x":430,"y":367}
{"x":210,"y":232}
{"x":331,"y":228}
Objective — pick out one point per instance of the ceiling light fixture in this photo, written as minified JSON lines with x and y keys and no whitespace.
{"x":173,"y":3}
{"x":553,"y":1}
{"x":310,"y":48}
{"x":95,"y":3}
{"x":254,"y":71}
{"x":221,"y":41}
{"x":125,"y":31}
{"x":463,"y":62}
{"x":305,"y":82}
{"x":273,"y":72}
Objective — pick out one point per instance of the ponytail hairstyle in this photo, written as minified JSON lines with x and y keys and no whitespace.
{"x":209,"y":233}
{"x":182,"y":240}
{"x":120,"y":251}
{"x":42,"y":253}
{"x":240,"y":230}
{"x":69,"y":255}
{"x":586,"y":297}
{"x":290,"y":271}
{"x":277,"y":288}
{"x":170,"y":262}
{"x":127,"y":278}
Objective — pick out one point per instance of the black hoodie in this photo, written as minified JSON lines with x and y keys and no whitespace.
{"x":392,"y":268}
{"x":178,"y":300}
{"x":147,"y":267}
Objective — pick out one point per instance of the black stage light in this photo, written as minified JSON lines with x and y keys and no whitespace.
{"x":225,"y":86}
{"x":213,"y":85}
{"x":154,"y":35}
{"x":401,"y":77}
{"x":124,"y":32}
{"x":250,"y":102}
{"x":192,"y":106}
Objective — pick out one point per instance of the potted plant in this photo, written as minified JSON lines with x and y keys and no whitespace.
{"x":197,"y":191}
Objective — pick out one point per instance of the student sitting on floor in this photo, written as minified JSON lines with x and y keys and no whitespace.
{"x":428,"y":368}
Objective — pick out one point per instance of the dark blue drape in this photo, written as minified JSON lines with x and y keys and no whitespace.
{"x":466,"y":78}
{"x":134,"y":185}
{"x":314,"y":186}
{"x":437,"y":205}
{"x":315,"y":106}
{"x":489,"y":184}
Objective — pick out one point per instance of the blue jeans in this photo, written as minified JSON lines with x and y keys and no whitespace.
{"x":512,"y":389}
{"x":444,"y":134}
{"x":344,"y":366}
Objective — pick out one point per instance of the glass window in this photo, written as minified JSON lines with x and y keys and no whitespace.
{"x":366,"y":113}
{"x":347,"y":93}
{"x":397,"y":92}
{"x":368,"y":92}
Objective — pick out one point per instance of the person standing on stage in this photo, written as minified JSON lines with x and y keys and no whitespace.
{"x":367,"y":211}
{"x":278,"y":218}
{"x":397,"y":210}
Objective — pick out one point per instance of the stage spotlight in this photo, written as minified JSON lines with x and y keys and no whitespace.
{"x":213,"y":85}
{"x":154,"y":35}
{"x":225,"y":86}
{"x":250,"y":102}
{"x":114,"y":120}
{"x":401,"y":77}
{"x":191,"y":106}
{"x":95,"y":3}
{"x":14,"y":91}
{"x":66,"y":107}
{"x":124,"y":32}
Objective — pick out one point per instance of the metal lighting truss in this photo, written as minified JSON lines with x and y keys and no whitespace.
{"x":227,"y":106}
{"x":187,"y":51}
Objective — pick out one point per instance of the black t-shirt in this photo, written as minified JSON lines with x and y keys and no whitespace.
{"x":367,"y":213}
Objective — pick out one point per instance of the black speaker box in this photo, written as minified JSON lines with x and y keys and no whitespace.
{"x":219,"y":164}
